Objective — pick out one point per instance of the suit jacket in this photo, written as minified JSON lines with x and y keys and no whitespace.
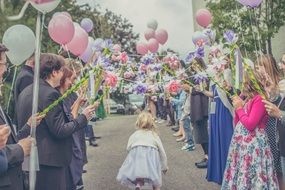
{"x":12,"y":179}
{"x":54,"y":133}
{"x":24,"y":79}
{"x":199,"y":106}
{"x":3,"y":162}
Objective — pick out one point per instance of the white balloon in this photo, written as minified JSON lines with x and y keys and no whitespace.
{"x":20,"y":40}
{"x":152,"y":24}
{"x":46,"y":7}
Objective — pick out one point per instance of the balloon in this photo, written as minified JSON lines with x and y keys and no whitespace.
{"x":203,"y":17}
{"x":20,"y":40}
{"x":141,"y":48}
{"x":161,"y":36}
{"x":243,"y":2}
{"x":87,"y":54}
{"x":61,"y":29}
{"x":79,"y":42}
{"x":254,"y":3}
{"x":198,"y":36}
{"x":41,"y":1}
{"x":117,"y":48}
{"x":149,"y":33}
{"x":45,"y":6}
{"x":87,"y":24}
{"x":62,"y":13}
{"x":152,"y":24}
{"x":250,"y":3}
{"x":152,"y":45}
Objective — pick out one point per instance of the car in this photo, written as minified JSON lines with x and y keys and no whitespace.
{"x":134,"y":103}
{"x":115,"y":108}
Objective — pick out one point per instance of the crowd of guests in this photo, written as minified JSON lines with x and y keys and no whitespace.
{"x":60,"y":134}
{"x":242,"y":134}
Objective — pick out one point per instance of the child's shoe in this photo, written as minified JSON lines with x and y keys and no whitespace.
{"x":138,"y":187}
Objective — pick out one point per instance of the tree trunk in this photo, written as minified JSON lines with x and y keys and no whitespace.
{"x":269,"y":45}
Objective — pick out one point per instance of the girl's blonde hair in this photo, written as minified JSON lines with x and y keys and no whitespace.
{"x":146,"y":122}
{"x":270,"y":66}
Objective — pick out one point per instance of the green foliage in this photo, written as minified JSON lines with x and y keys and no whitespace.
{"x":249,"y":24}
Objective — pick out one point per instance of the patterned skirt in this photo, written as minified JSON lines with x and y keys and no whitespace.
{"x":250,"y":162}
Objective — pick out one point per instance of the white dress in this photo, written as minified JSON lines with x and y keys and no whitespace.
{"x":145,"y":160}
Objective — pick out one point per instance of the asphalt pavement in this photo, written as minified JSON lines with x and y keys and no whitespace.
{"x":104,"y":161}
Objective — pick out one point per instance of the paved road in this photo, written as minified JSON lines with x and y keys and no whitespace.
{"x":105,"y":160}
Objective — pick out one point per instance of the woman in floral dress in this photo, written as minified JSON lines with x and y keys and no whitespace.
{"x":250,"y":162}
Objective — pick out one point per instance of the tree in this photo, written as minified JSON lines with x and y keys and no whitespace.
{"x":106,"y":25}
{"x":255,"y":27}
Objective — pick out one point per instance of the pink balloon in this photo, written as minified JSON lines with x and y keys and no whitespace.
{"x":62,"y":13}
{"x":152,"y":45}
{"x":149,"y":33}
{"x":57,"y":25}
{"x":41,"y":1}
{"x":203,"y":17}
{"x":79,"y":42}
{"x":142,"y":48}
{"x":161,"y":36}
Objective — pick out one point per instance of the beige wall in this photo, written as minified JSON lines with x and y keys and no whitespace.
{"x":278,"y":43}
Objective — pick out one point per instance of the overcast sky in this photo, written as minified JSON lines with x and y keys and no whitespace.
{"x":173,"y":15}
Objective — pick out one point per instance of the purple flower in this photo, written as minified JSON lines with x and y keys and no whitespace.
{"x":230,"y":37}
{"x":190,"y":57}
{"x":108,"y":44}
{"x":140,"y":88}
{"x":200,"y":52}
{"x":200,"y":77}
{"x":148,"y":59}
{"x":157,"y":67}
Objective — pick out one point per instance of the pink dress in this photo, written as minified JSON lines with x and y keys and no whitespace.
{"x":250,"y":163}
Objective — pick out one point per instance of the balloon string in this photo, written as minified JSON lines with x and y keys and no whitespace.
{"x":240,"y":25}
{"x":258,"y":32}
{"x":253,"y":33}
{"x":12,"y":87}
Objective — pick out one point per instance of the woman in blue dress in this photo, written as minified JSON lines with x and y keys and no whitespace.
{"x":220,"y":133}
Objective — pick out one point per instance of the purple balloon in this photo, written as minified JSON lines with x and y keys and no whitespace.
{"x":250,"y":3}
{"x":243,"y":2}
{"x":87,"y":24}
{"x":255,"y":3}
{"x":87,"y":54}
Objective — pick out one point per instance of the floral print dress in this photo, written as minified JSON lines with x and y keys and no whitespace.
{"x":250,"y":163}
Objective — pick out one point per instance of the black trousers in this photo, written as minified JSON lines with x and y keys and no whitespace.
{"x":51,"y":178}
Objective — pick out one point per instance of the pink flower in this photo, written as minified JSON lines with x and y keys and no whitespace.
{"x":143,"y":68}
{"x":124,"y":57}
{"x":248,"y":139}
{"x":111,"y":79}
{"x":128,"y":75}
{"x":173,"y":86}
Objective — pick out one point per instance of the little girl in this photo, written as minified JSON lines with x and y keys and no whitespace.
{"x":250,"y":162}
{"x":146,"y":157}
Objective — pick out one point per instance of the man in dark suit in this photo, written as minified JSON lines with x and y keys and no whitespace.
{"x":14,"y":150}
{"x":54,"y":134}
{"x":4,"y":134}
{"x":24,"y":79}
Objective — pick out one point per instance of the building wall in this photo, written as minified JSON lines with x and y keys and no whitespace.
{"x":278,"y":42}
